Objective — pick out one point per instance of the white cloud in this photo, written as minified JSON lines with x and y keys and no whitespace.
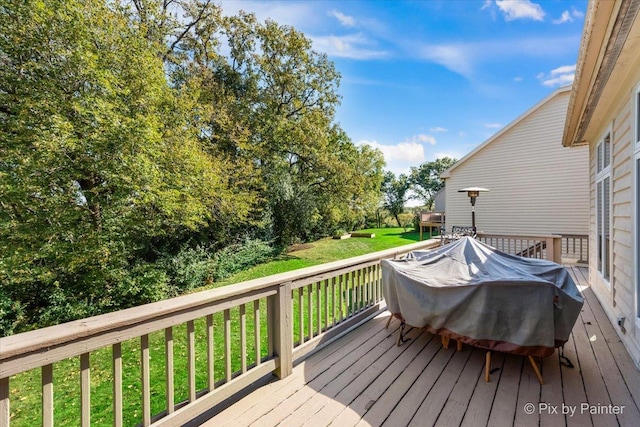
{"x":346,"y":20}
{"x":493,"y":125}
{"x":517,"y":79}
{"x":422,"y":138}
{"x":438,"y":129}
{"x":354,"y":46}
{"x":409,"y":151}
{"x":576,"y":13}
{"x":455,"y":57}
{"x":565,"y":17}
{"x":465,"y":58}
{"x":520,"y":9}
{"x":295,"y":14}
{"x":399,"y":158}
{"x":559,"y":76}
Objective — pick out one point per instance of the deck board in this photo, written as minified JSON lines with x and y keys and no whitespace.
{"x":365,"y":379}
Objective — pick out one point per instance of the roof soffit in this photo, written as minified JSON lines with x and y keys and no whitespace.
{"x":604,"y":39}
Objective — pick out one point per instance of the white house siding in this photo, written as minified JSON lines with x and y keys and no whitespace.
{"x":536,"y":185}
{"x":618,"y":296}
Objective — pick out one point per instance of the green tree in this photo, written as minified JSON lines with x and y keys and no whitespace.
{"x":267,"y":102}
{"x":99,"y":159}
{"x":395,"y":194}
{"x":425,"y":179}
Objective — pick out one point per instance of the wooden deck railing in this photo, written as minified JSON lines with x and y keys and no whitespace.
{"x":575,"y":248}
{"x":560,"y":248}
{"x":543,"y":247}
{"x":431,"y":220}
{"x":229,"y":336}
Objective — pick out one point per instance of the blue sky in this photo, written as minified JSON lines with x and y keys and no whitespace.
{"x":432,"y":78}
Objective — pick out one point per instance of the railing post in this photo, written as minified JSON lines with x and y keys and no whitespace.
{"x":4,"y":402}
{"x":554,"y":249}
{"x":279,"y":308}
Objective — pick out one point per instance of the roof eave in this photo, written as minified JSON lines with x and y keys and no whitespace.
{"x":607,"y":25}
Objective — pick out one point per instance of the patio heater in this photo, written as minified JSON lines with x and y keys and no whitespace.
{"x":473,"y":192}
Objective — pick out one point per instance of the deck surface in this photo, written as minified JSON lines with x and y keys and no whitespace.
{"x":364,"y":379}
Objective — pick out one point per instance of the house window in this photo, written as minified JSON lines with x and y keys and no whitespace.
{"x":603,"y":205}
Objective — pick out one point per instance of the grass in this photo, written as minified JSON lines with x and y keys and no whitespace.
{"x":25,"y":387}
{"x":328,"y":250}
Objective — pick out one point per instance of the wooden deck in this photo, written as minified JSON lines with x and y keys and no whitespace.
{"x":364,"y":379}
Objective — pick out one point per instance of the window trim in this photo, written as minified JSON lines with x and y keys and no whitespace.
{"x":636,"y":112}
{"x":636,"y":228}
{"x":635,"y":223}
{"x":600,"y":177}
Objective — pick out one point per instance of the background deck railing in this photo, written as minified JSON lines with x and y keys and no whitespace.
{"x":543,"y":247}
{"x":167,"y":362}
{"x":431,"y":220}
{"x":565,"y":248}
{"x":575,"y":248}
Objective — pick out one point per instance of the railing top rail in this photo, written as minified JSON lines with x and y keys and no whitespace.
{"x":44,"y":338}
{"x":518,"y":236}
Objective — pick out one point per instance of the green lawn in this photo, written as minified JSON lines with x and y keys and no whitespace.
{"x":26,"y":402}
{"x":327,"y":250}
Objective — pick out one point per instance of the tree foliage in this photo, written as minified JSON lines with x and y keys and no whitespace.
{"x":425,"y":179}
{"x":132,"y":131}
{"x":395,"y":194}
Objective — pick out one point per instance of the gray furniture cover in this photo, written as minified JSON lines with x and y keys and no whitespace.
{"x":476,"y":294}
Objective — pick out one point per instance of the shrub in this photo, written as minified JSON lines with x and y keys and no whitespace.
{"x":11,"y":314}
{"x":64,"y":306}
{"x":144,"y":283}
{"x":190,"y":268}
{"x":238,"y":257}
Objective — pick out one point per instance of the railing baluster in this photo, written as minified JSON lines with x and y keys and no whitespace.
{"x":369,"y":286}
{"x":168,"y":369}
{"x":333,"y":301}
{"x":227,"y":344}
{"x":318,"y":310}
{"x":5,"y":409}
{"x":310,"y":308}
{"x":378,"y":282}
{"x":256,"y":329}
{"x":359,"y":275}
{"x":243,"y":338}
{"x":191,"y":360}
{"x":352,"y":293}
{"x":211,"y":373}
{"x":326,"y":303}
{"x":342,"y":294}
{"x":301,"y":314}
{"x":116,"y":350}
{"x":146,"y":382}
{"x":47,"y":395}
{"x":364,"y":285}
{"x":340,"y":297}
{"x":85,"y":390}
{"x":374,"y":281}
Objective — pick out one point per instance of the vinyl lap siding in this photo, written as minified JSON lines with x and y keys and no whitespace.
{"x":537,"y":186}
{"x":618,"y":299}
